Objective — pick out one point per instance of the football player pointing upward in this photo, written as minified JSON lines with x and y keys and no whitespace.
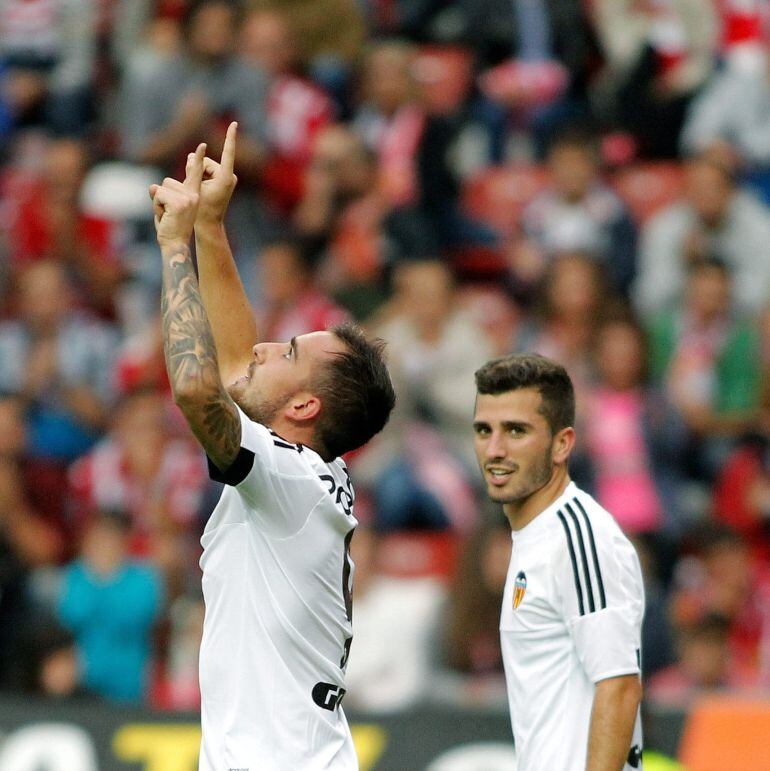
{"x":273,"y":419}
{"x":573,"y":603}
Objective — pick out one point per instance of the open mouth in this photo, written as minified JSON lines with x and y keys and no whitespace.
{"x":498,"y":475}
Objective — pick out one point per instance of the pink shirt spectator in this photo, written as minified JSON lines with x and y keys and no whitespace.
{"x":624,"y":484}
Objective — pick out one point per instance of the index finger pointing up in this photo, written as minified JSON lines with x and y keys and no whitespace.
{"x":194,"y":168}
{"x":228,"y":151}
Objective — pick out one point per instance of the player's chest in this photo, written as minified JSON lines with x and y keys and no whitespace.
{"x":530,"y":604}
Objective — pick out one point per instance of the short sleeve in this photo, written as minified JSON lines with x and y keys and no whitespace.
{"x":276,"y":482}
{"x":600,"y":591}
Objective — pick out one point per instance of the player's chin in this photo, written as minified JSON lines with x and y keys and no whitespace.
{"x":504,"y":494}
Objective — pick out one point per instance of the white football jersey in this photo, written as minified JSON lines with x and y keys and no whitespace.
{"x":277,"y":580}
{"x":572,"y":616}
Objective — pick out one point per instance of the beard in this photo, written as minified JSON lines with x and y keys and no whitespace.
{"x":262,"y":411}
{"x":538,"y":476}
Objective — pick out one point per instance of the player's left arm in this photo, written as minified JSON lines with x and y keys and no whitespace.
{"x":615,"y":707}
{"x":188,"y":343}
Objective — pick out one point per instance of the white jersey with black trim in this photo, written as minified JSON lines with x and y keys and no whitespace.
{"x":277,"y":580}
{"x":572,"y":616}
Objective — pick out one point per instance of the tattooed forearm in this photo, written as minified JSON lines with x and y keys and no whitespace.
{"x":191,"y":361}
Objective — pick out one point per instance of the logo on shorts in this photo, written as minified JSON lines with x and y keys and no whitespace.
{"x":519,"y":589}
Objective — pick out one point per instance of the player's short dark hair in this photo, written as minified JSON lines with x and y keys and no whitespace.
{"x":530,"y":370}
{"x":356,"y":392}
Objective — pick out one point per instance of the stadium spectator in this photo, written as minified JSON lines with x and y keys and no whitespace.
{"x":158,"y":481}
{"x":60,"y":361}
{"x":579,"y":213}
{"x":471,"y":624}
{"x":419,"y":466}
{"x":47,"y":222}
{"x":706,"y":355}
{"x":391,"y":120}
{"x":48,"y":50}
{"x":658,"y":53}
{"x":110,"y":603}
{"x":297,"y":109}
{"x":36,"y":536}
{"x":293,"y":304}
{"x":742,"y":489}
{"x":572,"y":299}
{"x":715,"y":219}
{"x":341,"y":216}
{"x":732,"y":109}
{"x":170,"y":102}
{"x":633,"y":439}
{"x":719,"y":577}
{"x":703,"y":665}
{"x":396,"y":618}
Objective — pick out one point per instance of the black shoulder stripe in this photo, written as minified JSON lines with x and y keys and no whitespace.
{"x":238,"y":470}
{"x":279,"y":441}
{"x":583,"y":557}
{"x":594,"y":553}
{"x":574,"y":563}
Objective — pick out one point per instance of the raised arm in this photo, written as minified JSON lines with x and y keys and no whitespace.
{"x":188,"y":343}
{"x":228,"y":309}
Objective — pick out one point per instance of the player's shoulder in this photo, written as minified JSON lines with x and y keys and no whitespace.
{"x":583,"y":522}
{"x":273,"y":451}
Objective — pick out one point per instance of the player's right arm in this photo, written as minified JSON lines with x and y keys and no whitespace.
{"x":230,"y":315}
{"x":188,"y":343}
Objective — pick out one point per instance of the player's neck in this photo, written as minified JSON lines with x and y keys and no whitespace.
{"x":293,"y":433}
{"x":521,"y":513}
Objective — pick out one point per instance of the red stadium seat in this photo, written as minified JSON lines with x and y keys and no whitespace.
{"x":498,"y":195}
{"x":648,"y":187}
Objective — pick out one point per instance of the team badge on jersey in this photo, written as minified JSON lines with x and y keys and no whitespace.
{"x":519,"y":589}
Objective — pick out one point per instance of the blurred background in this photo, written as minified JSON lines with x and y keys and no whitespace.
{"x":588,"y":179}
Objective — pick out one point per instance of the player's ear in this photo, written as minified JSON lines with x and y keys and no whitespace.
{"x":563,"y":443}
{"x":303,"y":407}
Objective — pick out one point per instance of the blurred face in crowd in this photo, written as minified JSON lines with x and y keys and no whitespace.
{"x":573,"y":170}
{"x":44,"y":296}
{"x":425,"y":293}
{"x":703,"y":656}
{"x":59,"y":674}
{"x":729,"y":568}
{"x":388,"y":80}
{"x":280,"y":377}
{"x":211,"y":33}
{"x":341,"y":155}
{"x":284,"y":275}
{"x":573,"y":287}
{"x":620,"y":356}
{"x":65,"y":167}
{"x":514,"y":445}
{"x":709,"y":190}
{"x":266,"y":39}
{"x":141,"y":429}
{"x":12,"y":431}
{"x":105,"y":545}
{"x":707,"y":294}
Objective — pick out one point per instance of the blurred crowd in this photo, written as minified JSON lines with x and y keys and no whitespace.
{"x":466,"y":178}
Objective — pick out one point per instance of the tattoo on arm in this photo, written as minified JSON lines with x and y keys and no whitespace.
{"x":191,"y":361}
